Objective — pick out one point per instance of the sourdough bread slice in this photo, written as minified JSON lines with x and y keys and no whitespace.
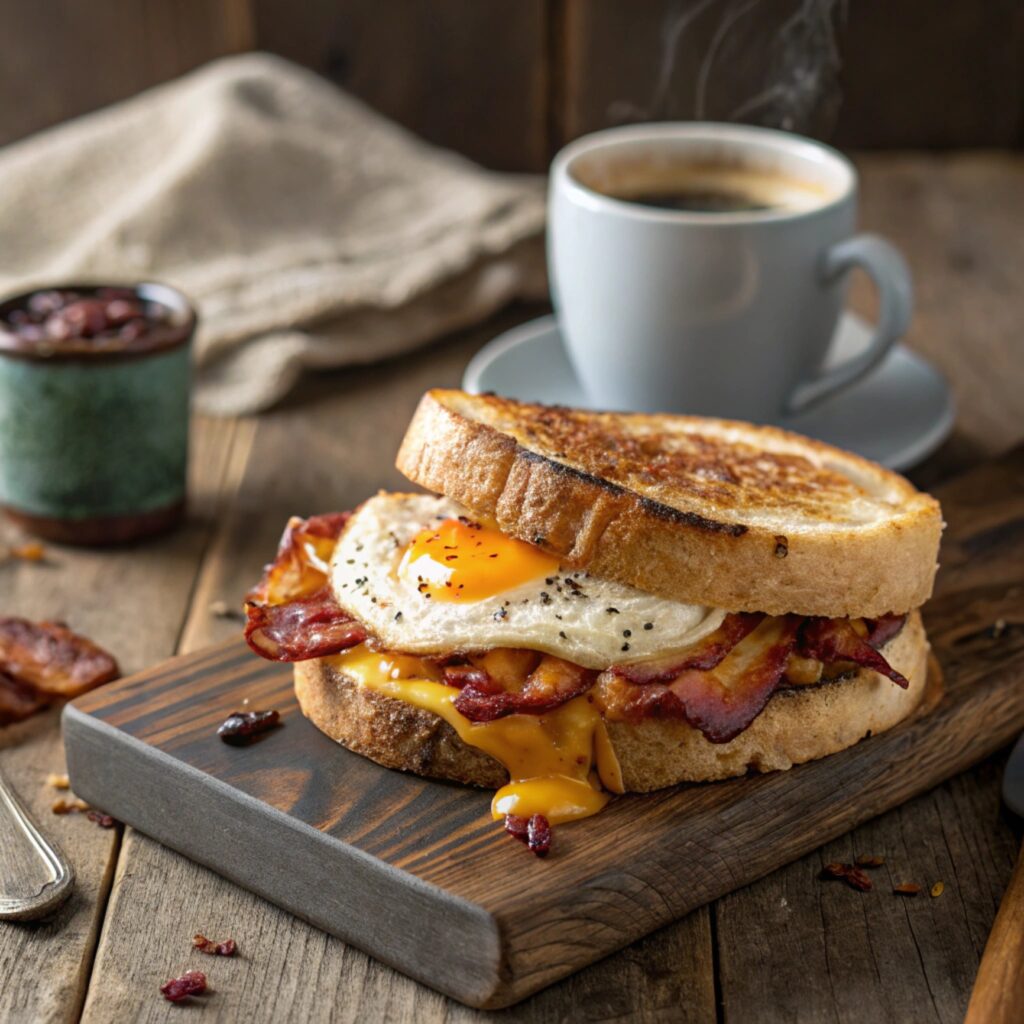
{"x":797,"y":725}
{"x":704,"y":511}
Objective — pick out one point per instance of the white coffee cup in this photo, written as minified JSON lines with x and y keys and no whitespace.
{"x":717,"y":313}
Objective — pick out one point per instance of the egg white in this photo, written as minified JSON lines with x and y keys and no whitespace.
{"x":596,"y":623}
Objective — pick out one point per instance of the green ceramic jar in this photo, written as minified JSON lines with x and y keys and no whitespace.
{"x":94,"y":430}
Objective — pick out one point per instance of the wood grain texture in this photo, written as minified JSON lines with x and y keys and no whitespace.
{"x":999,"y":988}
{"x":956,"y":77}
{"x":467,"y":74}
{"x":612,"y":879}
{"x":63,"y":58}
{"x":955,"y":219}
{"x":133,"y":602}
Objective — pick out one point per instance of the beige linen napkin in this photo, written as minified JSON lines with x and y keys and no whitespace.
{"x":310,"y":231}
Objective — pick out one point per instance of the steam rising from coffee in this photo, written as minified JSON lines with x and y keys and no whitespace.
{"x":767,"y":62}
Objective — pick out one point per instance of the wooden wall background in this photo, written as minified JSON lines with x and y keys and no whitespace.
{"x":507,"y":81}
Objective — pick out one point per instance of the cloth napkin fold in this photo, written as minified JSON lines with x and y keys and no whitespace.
{"x":310,"y":231}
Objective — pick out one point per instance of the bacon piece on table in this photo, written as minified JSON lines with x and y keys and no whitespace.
{"x":17,"y":701}
{"x":706,"y":653}
{"x":51,"y":659}
{"x":831,"y":640}
{"x":551,"y":684}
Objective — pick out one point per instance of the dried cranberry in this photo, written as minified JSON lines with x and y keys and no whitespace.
{"x":538,"y":833}
{"x":118,"y":311}
{"x":517,"y":827}
{"x":101,"y":819}
{"x":192,"y":983}
{"x":46,"y":302}
{"x":241,"y":726}
{"x":85,"y":318}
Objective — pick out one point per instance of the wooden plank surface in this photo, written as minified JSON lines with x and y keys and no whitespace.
{"x":468,"y":74}
{"x":132,"y":601}
{"x":971,"y":317}
{"x":862,"y":75}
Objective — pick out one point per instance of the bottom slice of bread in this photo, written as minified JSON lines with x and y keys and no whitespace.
{"x":798,"y":724}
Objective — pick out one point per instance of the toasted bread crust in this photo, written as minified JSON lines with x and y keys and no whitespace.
{"x":740,"y":517}
{"x":798,"y":725}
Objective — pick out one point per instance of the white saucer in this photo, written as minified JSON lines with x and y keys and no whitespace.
{"x":897,"y":415}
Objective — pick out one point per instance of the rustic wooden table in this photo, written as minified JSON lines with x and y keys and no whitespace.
{"x":786,"y":948}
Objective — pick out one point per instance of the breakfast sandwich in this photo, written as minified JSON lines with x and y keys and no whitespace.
{"x":588,"y":604}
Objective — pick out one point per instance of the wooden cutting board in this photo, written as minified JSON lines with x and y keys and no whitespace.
{"x":414,"y":871}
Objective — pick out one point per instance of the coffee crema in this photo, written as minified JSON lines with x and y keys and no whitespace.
{"x":711,"y":188}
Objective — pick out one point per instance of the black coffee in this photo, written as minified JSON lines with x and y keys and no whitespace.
{"x":703,"y":201}
{"x":703,"y":187}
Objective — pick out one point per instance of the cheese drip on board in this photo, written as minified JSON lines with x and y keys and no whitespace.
{"x":557,"y":762}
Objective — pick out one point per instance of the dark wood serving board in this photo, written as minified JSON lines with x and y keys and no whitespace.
{"x":414,"y":871}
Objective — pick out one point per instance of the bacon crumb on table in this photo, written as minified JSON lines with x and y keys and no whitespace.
{"x":226,"y":948}
{"x":848,"y":873}
{"x":192,"y":983}
{"x":906,"y":889}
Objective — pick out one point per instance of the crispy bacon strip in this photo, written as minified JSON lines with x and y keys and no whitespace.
{"x":724,"y":700}
{"x":291,"y":615}
{"x":51,"y":659}
{"x":308,"y":627}
{"x":881,"y":631}
{"x":551,"y":684}
{"x":705,"y":654}
{"x":831,"y":640}
{"x":303,"y":557}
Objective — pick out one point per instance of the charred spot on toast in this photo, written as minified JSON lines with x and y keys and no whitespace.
{"x":668,"y":466}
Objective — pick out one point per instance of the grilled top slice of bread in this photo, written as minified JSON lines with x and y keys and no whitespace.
{"x":706,"y":511}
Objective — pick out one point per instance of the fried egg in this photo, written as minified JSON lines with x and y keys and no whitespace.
{"x":427,"y":578}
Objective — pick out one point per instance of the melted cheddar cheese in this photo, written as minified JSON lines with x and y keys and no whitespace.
{"x":556,"y":762}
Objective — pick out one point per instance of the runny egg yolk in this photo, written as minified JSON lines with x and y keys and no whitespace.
{"x":458,"y":560}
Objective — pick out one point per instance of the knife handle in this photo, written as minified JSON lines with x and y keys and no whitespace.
{"x":998,"y":996}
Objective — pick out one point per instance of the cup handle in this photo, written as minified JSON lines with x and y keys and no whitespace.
{"x":886,"y":267}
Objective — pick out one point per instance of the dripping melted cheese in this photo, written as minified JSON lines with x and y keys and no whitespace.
{"x":560,"y":764}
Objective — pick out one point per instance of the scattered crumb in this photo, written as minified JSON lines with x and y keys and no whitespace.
{"x":906,"y":889}
{"x":58,"y":781}
{"x":32,"y":551}
{"x":938,"y":889}
{"x":998,"y":628}
{"x":101,"y":819}
{"x":62,"y":806}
